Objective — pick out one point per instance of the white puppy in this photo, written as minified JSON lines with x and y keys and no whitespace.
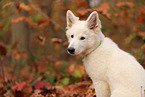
{"x":114,"y":72}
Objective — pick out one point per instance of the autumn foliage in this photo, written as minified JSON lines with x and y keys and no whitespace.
{"x":48,"y":70}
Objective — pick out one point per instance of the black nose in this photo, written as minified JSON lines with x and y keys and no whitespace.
{"x":71,"y":50}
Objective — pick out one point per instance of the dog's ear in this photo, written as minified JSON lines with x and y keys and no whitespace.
{"x":71,"y":18}
{"x":93,"y":20}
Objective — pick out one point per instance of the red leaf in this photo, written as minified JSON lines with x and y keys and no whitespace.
{"x":139,"y":17}
{"x":7,"y":4}
{"x":142,"y":34}
{"x":1,"y":26}
{"x":19,"y":86}
{"x":3,"y":50}
{"x":41,"y":84}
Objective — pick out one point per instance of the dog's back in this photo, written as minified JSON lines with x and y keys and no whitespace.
{"x":119,"y":69}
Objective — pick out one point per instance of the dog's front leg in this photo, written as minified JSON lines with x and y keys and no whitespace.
{"x":102,"y":89}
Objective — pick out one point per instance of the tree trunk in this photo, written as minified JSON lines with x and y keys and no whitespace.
{"x":20,"y":34}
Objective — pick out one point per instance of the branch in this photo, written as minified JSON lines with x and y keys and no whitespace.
{"x":43,"y":14}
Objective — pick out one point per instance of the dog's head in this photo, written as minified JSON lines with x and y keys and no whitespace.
{"x":83,"y":35}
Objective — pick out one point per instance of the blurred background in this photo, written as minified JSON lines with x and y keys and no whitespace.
{"x":33,"y":45}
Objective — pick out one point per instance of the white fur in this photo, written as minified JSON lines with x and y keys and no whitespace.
{"x":114,"y":72}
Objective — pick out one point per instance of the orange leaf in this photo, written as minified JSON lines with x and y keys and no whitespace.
{"x":130,"y":4}
{"x":65,"y":43}
{"x":7,"y":4}
{"x":56,"y":40}
{"x":64,"y":8}
{"x":42,"y":22}
{"x":83,"y":12}
{"x":103,"y":6}
{"x":29,"y":21}
{"x":71,"y":68}
{"x":23,"y":54}
{"x":25,"y":7}
{"x":42,"y":40}
{"x":15,"y":20}
{"x":81,"y":4}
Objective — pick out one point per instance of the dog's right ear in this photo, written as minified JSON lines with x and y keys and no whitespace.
{"x":71,"y":19}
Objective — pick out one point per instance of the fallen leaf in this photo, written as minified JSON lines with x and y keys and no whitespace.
{"x":3,"y":50}
{"x":41,"y":84}
{"x":37,"y":93}
{"x":19,"y":86}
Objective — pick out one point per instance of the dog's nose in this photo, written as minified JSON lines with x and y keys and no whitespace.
{"x":71,"y":50}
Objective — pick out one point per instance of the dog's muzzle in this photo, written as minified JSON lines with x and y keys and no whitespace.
{"x":71,"y":50}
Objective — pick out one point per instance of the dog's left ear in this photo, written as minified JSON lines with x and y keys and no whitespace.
{"x":93,"y":20}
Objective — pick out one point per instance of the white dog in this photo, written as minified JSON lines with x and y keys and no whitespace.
{"x":114,"y":72}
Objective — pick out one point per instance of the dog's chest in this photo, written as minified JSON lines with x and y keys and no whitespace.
{"x":95,"y":68}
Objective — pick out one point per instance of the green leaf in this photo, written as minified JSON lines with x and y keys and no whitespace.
{"x":65,"y":81}
{"x":77,"y":73}
{"x":130,"y":37}
{"x":49,"y":68}
{"x":111,"y":3}
{"x":51,"y":78}
{"x":1,"y":33}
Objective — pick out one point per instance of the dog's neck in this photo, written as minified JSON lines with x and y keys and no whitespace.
{"x":98,"y":44}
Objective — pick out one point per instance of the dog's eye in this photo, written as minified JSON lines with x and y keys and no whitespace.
{"x":82,"y":38}
{"x":72,"y":36}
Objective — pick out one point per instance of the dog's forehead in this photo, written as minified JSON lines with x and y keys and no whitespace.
{"x":79,"y":27}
